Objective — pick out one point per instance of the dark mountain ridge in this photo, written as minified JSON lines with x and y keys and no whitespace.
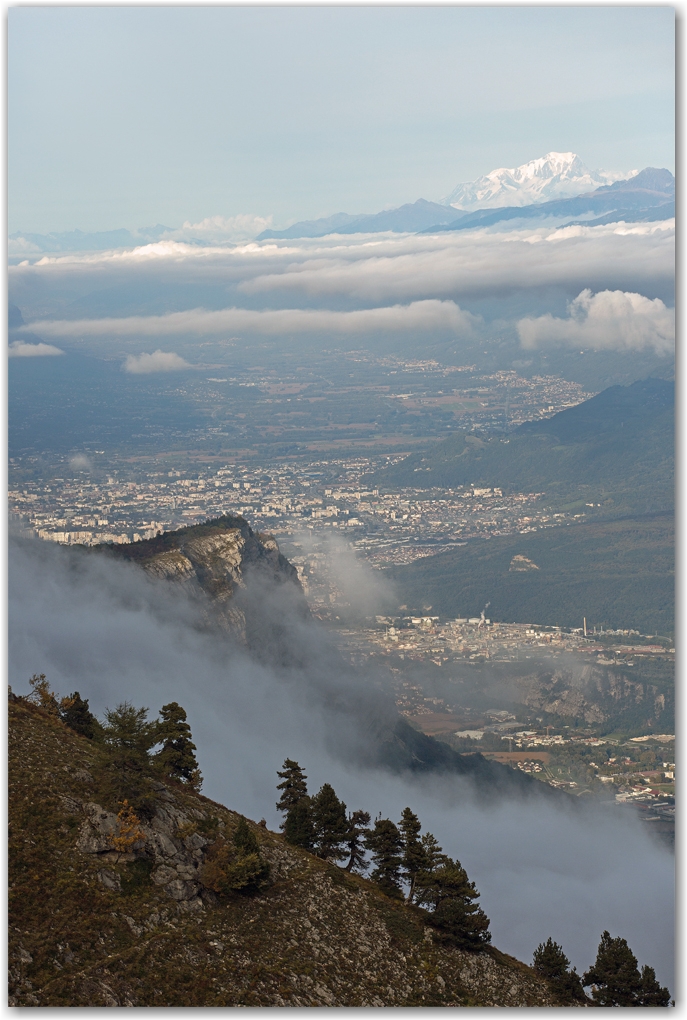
{"x":621,"y":440}
{"x":610,"y":460}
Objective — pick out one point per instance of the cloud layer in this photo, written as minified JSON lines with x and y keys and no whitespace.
{"x":430,"y":314}
{"x":366,"y":284}
{"x":223,"y":228}
{"x":19,"y":349}
{"x":158,"y":361}
{"x":611,"y":319}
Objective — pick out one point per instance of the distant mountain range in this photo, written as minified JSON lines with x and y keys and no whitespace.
{"x":555,"y":175}
{"x":78,"y":240}
{"x":647,"y":195}
{"x":407,"y":218}
{"x":556,"y":186}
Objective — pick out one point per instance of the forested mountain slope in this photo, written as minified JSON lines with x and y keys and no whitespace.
{"x":619,"y":443}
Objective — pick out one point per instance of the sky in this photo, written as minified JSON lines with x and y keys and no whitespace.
{"x":131,"y":116}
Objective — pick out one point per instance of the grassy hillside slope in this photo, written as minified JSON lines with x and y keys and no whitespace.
{"x":616,"y":573}
{"x":89,"y":927}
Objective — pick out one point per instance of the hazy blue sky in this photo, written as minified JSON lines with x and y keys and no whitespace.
{"x":132,"y":116}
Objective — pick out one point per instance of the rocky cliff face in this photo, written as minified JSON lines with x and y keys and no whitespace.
{"x":216,"y":560}
{"x":91,"y":925}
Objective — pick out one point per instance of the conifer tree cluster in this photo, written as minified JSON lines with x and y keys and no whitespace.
{"x":614,"y":978}
{"x":133,"y":749}
{"x":399,"y":856}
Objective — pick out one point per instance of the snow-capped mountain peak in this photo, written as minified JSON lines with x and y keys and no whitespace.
{"x":555,"y":175}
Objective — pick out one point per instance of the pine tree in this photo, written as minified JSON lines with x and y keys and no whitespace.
{"x":74,"y":712}
{"x":614,"y":977}
{"x":127,"y":740}
{"x":176,"y":757}
{"x":554,"y":966}
{"x":358,"y":823}
{"x":414,"y":857}
{"x":298,"y":825}
{"x":456,"y":916}
{"x":652,"y":994}
{"x":244,"y":838}
{"x":386,"y":845}
{"x":294,"y":786}
{"x":330,"y":824}
{"x":434,"y":855}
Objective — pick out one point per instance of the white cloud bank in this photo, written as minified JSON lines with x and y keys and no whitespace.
{"x":419,"y":315}
{"x":611,"y":319}
{"x":19,"y":349}
{"x":158,"y":361}
{"x":223,"y":228}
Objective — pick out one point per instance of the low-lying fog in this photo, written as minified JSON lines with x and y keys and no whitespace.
{"x":105,"y":629}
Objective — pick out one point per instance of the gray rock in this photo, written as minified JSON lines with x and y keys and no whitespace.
{"x":187,"y":871}
{"x":163,"y":845}
{"x":132,"y":925}
{"x":72,"y":805}
{"x":110,"y":879}
{"x":163,"y":875}
{"x":195,"y":841}
{"x":179,"y":889}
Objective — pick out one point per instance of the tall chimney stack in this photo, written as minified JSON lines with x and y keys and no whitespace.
{"x":584,"y":625}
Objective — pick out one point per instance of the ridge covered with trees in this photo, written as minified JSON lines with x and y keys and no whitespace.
{"x":127,"y":887}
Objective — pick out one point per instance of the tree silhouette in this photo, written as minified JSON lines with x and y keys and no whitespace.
{"x":176,"y":758}
{"x":127,"y":740}
{"x":293,"y":787}
{"x":434,"y":855}
{"x":386,"y":846}
{"x":330,"y":824}
{"x":414,"y":858}
{"x":615,"y":977}
{"x":456,"y":915}
{"x":357,"y":832}
{"x":74,"y":712}
{"x":652,"y":993}
{"x":551,"y":963}
{"x":298,"y":825}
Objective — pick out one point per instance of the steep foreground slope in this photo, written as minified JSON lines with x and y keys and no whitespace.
{"x":94,"y":926}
